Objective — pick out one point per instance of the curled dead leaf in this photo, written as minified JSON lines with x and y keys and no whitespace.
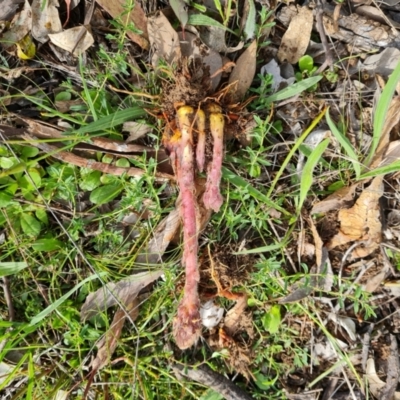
{"x":124,"y":290}
{"x":342,"y":198}
{"x":67,"y":40}
{"x":362,"y":221}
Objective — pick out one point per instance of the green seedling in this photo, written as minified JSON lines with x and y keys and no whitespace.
{"x":307,"y":70}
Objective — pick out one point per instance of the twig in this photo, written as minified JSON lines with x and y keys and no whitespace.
{"x":7,"y":296}
{"x":206,"y":376}
{"x":92,"y":164}
{"x":321,"y":30}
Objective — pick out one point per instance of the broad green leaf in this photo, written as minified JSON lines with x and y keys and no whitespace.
{"x":123,"y":162}
{"x":272,"y":319}
{"x":30,"y":225}
{"x":11,"y":268}
{"x":35,"y":176}
{"x":47,"y":245}
{"x":211,"y":395}
{"x":306,"y":63}
{"x":307,"y":174}
{"x":63,"y":96}
{"x":41,"y":215}
{"x":179,"y":7}
{"x":29,"y":152}
{"x":5,"y":199}
{"x":381,"y":111}
{"x":265,"y":382}
{"x":55,"y":304}
{"x":90,"y":181}
{"x":345,"y":143}
{"x":106,"y":193}
{"x":294,"y":89}
{"x":6,"y":162}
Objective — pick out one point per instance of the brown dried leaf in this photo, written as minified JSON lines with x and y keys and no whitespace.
{"x":124,"y":290}
{"x":108,"y":343}
{"x":297,"y":36}
{"x":392,"y":153}
{"x":45,"y":20}
{"x":342,"y":198}
{"x":243,"y":73}
{"x":362,"y":221}
{"x":117,"y":10}
{"x":20,"y":26}
{"x":163,"y":39}
{"x":165,"y":232}
{"x":391,"y":120}
{"x":232,"y":321}
{"x":68,"y":40}
{"x":376,"y":385}
{"x":193,"y":47}
{"x":9,"y":8}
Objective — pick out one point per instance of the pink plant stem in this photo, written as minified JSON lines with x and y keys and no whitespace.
{"x":212,"y":197}
{"x":201,"y":140}
{"x":187,"y":324}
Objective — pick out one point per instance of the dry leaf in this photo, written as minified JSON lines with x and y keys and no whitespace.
{"x":136,"y":130}
{"x":163,"y":39}
{"x":376,"y":384}
{"x":243,"y":73}
{"x":375,"y":282}
{"x":214,"y":38}
{"x":391,"y":120}
{"x":193,"y":47}
{"x":46,"y":20}
{"x":117,"y":10}
{"x":297,"y":36}
{"x":392,"y":153}
{"x":67,"y":40}
{"x":362,"y":221}
{"x":9,"y":8}
{"x":124,"y":291}
{"x":342,"y":198}
{"x":20,"y":26}
{"x":108,"y":343}
{"x":165,"y":232}
{"x":232,"y":321}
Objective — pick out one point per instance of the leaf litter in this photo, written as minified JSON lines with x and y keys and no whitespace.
{"x":344,"y":234}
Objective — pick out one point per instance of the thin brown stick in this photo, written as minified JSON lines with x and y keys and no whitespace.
{"x":207,"y":377}
{"x":72,"y":158}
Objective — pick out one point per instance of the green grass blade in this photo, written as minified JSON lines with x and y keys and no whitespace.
{"x":293,"y":150}
{"x":264,"y":249}
{"x":381,"y":111}
{"x":345,"y":143}
{"x":293,"y":90}
{"x":387,"y":169}
{"x":241,"y":183}
{"x":11,"y":268}
{"x":204,"y":20}
{"x":114,"y":119}
{"x":57,"y":303}
{"x":307,"y":174}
